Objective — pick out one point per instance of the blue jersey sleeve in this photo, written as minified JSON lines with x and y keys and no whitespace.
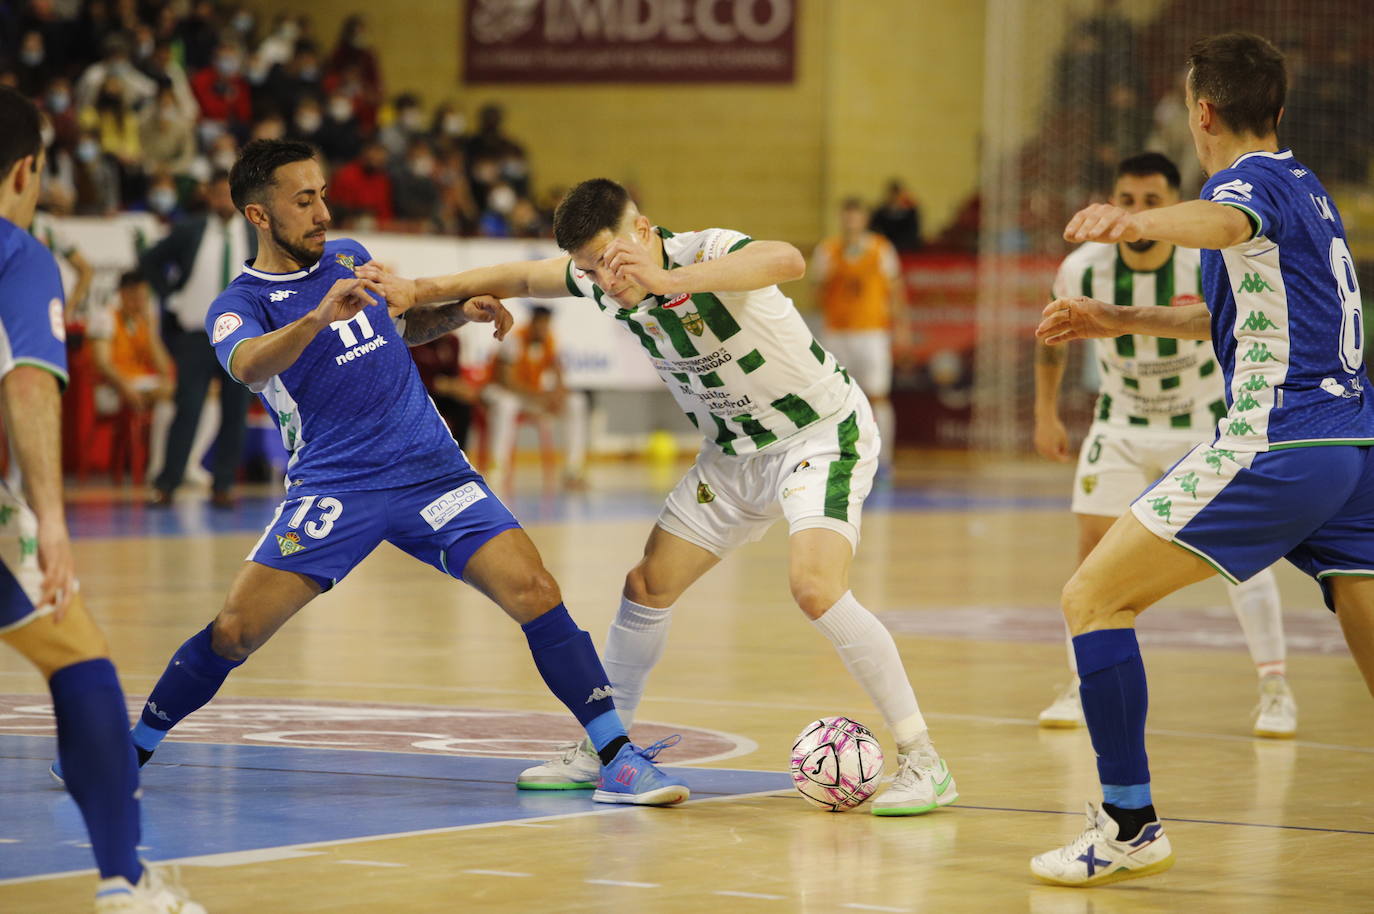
{"x":1248,"y":190}
{"x":232,"y":318}
{"x":32,"y":315}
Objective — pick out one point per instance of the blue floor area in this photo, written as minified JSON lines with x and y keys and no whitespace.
{"x":120,"y":517}
{"x":212,"y":799}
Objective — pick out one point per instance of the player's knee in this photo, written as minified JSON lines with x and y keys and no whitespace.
{"x":532,"y":595}
{"x":814,"y":593}
{"x":647,"y":588}
{"x":1083,"y":603}
{"x":233,"y":637}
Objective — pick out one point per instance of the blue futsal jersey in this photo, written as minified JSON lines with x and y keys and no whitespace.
{"x":352,"y":410}
{"x":32,"y":323}
{"x":1286,"y":318}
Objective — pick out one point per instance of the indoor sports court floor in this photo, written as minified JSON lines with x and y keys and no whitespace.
{"x":363,"y":760}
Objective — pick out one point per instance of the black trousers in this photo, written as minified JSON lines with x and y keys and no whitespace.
{"x":196,"y":368}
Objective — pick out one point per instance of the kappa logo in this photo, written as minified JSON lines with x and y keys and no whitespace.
{"x":289,"y":544}
{"x":1233,"y":190}
{"x":160,"y":715}
{"x":599,"y":693}
{"x":225,"y":324}
{"x":281,"y":295}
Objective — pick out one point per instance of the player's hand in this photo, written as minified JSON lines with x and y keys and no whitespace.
{"x":1051,"y":438}
{"x":1102,"y":222}
{"x":58,"y":567}
{"x":346,"y":298}
{"x":487,"y":309}
{"x":1068,"y":319}
{"x":630,"y":263}
{"x":398,"y":291}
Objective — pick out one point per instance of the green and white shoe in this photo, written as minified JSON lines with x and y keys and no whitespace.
{"x":576,"y":767}
{"x":922,"y":783}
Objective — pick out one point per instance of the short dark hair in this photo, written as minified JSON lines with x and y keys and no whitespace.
{"x":256,"y":169}
{"x":539,"y":311}
{"x":589,"y":209}
{"x":131,"y":278}
{"x":22,"y":135}
{"x":1150,"y":163}
{"x":1244,"y":76}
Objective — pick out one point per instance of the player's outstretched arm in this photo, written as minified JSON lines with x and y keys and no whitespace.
{"x":755,"y":266}
{"x":1068,"y":319}
{"x":32,"y":411}
{"x":263,"y":357}
{"x":1194,"y":224}
{"x":424,"y":323}
{"x":522,"y":279}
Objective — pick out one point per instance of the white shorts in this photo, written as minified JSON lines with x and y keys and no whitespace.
{"x":866,"y":355}
{"x":818,"y":479}
{"x":19,"y":554}
{"x":1116,"y":464}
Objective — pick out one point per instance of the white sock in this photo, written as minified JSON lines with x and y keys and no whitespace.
{"x":869,"y":653}
{"x":886,"y":417}
{"x":633,"y":645}
{"x":1256,"y":603}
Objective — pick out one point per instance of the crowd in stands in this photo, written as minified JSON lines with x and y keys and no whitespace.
{"x":145,"y":99}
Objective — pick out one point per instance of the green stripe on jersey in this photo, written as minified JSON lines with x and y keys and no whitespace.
{"x":1123,"y":294}
{"x":711,"y":379}
{"x":818,"y":352}
{"x":761,"y":436}
{"x":837,"y":483}
{"x":640,"y":332}
{"x":1181,"y":421}
{"x":751,"y":362}
{"x":1164,"y":296}
{"x":1170,"y":383}
{"x":724,"y":435}
{"x":572,"y":286}
{"x":738,"y":244}
{"x":1104,"y":406}
{"x":796,"y":409}
{"x":719,"y":319}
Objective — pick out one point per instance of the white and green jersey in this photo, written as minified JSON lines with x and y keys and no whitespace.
{"x":1148,"y":381}
{"x":743,"y":366}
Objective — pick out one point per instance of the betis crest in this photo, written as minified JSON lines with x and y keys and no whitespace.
{"x":290,"y":544}
{"x":346,"y":260}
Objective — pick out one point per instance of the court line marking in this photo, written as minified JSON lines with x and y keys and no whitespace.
{"x":505,"y":873}
{"x":372,"y":863}
{"x":758,"y":895}
{"x":308,"y":848}
{"x":1225,"y":822}
{"x":617,"y":882}
{"x":873,"y":907}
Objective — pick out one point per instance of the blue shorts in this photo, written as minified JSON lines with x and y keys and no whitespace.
{"x":442,"y":523}
{"x":1243,"y":511}
{"x":16,"y":602}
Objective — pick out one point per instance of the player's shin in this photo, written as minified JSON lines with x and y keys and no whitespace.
{"x":634,"y":644}
{"x":869,"y":653}
{"x":1115,"y":701}
{"x":98,"y":763}
{"x":191,"y":679}
{"x":566,"y":659}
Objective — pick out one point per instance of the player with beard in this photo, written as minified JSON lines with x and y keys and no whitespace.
{"x":1158,"y":398}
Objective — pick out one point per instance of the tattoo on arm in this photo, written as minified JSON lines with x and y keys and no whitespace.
{"x":425,"y":324}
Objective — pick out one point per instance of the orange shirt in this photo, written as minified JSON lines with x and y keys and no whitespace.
{"x":131,"y":347}
{"x":531,"y":361}
{"x":857,"y":291}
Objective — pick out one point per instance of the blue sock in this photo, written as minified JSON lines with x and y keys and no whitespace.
{"x":98,"y":762}
{"x":1115,"y":700}
{"x":565,"y":657}
{"x":191,"y":679}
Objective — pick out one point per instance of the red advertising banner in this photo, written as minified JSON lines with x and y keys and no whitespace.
{"x":601,"y":41}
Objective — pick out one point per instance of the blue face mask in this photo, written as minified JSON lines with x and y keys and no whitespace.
{"x":162,"y":200}
{"x":59,"y":102}
{"x":87,"y":150}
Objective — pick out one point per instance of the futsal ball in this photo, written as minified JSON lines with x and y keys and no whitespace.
{"x":836,"y":763}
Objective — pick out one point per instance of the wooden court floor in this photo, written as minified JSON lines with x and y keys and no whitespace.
{"x":965,"y":566}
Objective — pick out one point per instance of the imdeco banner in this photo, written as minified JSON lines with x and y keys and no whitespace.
{"x":659,"y":41}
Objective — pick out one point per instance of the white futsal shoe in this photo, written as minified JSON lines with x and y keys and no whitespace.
{"x":1066,"y":711}
{"x":1097,"y":858}
{"x":153,"y":895}
{"x":1276,"y":715}
{"x":576,"y":767}
{"x":922,"y":783}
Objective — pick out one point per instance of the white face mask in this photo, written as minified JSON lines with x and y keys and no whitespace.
{"x":455,"y":123}
{"x":341,"y":109}
{"x":87,"y":150}
{"x":423,"y":166}
{"x":413,"y":120}
{"x":46,"y":134}
{"x":31,"y":58}
{"x":224,"y":159}
{"x":162,"y":200}
{"x":501,"y":199}
{"x":59,"y":102}
{"x":308,"y":121}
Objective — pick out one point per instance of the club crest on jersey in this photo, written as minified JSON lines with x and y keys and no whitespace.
{"x":704,"y":494}
{"x":654,"y":330}
{"x":289,"y":544}
{"x":693,"y":323}
{"x":225,"y":324}
{"x":345,"y":260}
{"x":1089,"y":483}
{"x":1183,"y":301}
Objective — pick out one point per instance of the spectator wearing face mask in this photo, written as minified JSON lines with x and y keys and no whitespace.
{"x":496,"y":217}
{"x":458,"y":212}
{"x":118,"y":129}
{"x":448,"y":126}
{"x":115,"y":63}
{"x":31,"y":64}
{"x":57,"y":33}
{"x":199,"y":33}
{"x":353,"y":52}
{"x":276,"y":49}
{"x":162,"y":198}
{"x":96,"y":177}
{"x":168,"y":135}
{"x":490,"y":146}
{"x":163,"y":67}
{"x":57,"y":105}
{"x":298,"y":78}
{"x":307,"y":122}
{"x":415,"y":194}
{"x":407,"y":124}
{"x":362,"y":188}
{"x":340,"y":136}
{"x":223,"y":94}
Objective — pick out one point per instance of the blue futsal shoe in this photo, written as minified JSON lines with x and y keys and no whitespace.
{"x":632,"y":777}
{"x":55,"y":769}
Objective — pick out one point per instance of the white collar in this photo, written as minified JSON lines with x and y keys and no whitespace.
{"x":1281,"y":154}
{"x":283,"y":277}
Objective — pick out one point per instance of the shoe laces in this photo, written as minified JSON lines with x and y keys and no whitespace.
{"x":1274,"y":696}
{"x":1091,"y":835}
{"x":911,"y":769}
{"x":651,"y":752}
{"x":568,"y":752}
